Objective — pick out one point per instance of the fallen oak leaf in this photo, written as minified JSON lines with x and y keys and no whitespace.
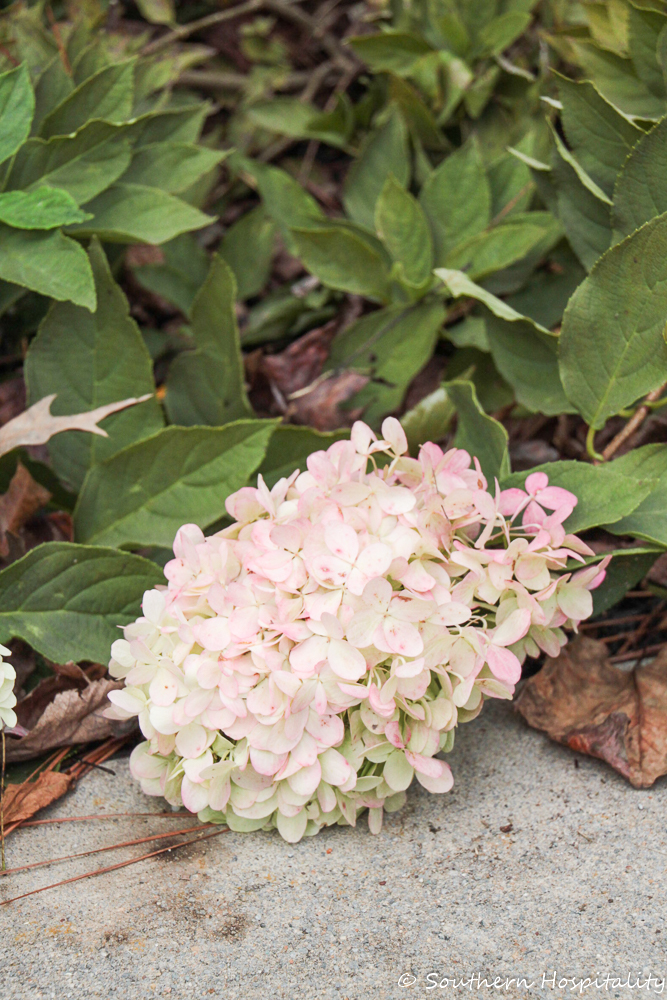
{"x":582,"y":700}
{"x":21,"y":802}
{"x":22,"y":500}
{"x":37,"y":424}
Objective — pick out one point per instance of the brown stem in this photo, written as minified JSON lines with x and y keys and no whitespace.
{"x":185,"y":30}
{"x":633,"y":424}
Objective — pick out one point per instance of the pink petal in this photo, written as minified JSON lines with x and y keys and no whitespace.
{"x":306,"y":779}
{"x":341,"y":540}
{"x":346,"y":661}
{"x":375,"y":560}
{"x":575,"y":602}
{"x":192,"y":740}
{"x":510,"y":501}
{"x":429,"y":766}
{"x":402,"y":638}
{"x":503,"y":664}
{"x":212,"y":634}
{"x":163,"y":688}
{"x":442,"y":783}
{"x":536,"y":481}
{"x":513,"y":628}
{"x":555,"y":496}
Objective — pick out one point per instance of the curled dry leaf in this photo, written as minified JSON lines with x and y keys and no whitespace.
{"x":20,"y":802}
{"x":21,"y":502}
{"x":62,"y":710}
{"x":37,"y":425}
{"x":584,"y":701}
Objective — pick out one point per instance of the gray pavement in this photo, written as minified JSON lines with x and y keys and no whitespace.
{"x":576,"y":888}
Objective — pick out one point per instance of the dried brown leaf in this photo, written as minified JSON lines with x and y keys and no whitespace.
{"x":583,"y":701}
{"x":62,"y":710}
{"x":23,"y":801}
{"x":37,"y":425}
{"x":22,"y":500}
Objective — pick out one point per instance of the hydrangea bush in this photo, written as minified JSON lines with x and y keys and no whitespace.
{"x":307,"y":662}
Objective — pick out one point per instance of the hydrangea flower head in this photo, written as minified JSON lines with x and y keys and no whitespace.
{"x":303,"y":665}
{"x":7,"y":696}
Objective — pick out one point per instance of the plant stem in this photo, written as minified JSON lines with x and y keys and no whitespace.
{"x":633,"y":424}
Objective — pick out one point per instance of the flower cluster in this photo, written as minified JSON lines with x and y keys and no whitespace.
{"x":7,"y":696}
{"x":305,"y":663}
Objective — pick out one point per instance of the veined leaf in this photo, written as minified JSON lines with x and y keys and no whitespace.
{"x":402,"y":226}
{"x":82,"y":164}
{"x":479,"y":434}
{"x":612,"y":346}
{"x":386,"y":152}
{"x":180,"y":275}
{"x":586,"y":219}
{"x":502,"y":245}
{"x":343,"y":259}
{"x":107,"y":95}
{"x":133,"y":213}
{"x":47,"y":262}
{"x":390,"y":50}
{"x":649,"y":518}
{"x":641,"y":187}
{"x":41,"y":208}
{"x":605,"y":494}
{"x":111,"y":363}
{"x":144,"y":494}
{"x":457,"y":200}
{"x":17,"y":106}
{"x":171,"y":166}
{"x":617,"y":81}
{"x":248,"y":247}
{"x":205,"y":386}
{"x":68,"y":600}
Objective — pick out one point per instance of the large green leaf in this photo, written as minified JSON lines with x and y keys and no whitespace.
{"x":41,"y":208}
{"x":585,"y":217}
{"x":649,"y":519}
{"x":82,"y":164}
{"x":386,"y":152}
{"x":599,"y":136}
{"x":502,"y":245}
{"x":605,"y":495}
{"x":89,"y":359}
{"x":133,"y":213}
{"x":401,"y":224}
{"x":47,"y":262}
{"x":390,"y":50}
{"x":626,"y":569}
{"x":343,"y":259}
{"x":457,"y":200}
{"x":143,"y":494}
{"x":641,"y":188}
{"x":68,"y":600}
{"x":290,"y":447}
{"x":618,"y":82}
{"x":108,"y":95}
{"x":248,"y":247}
{"x":171,"y":166}
{"x":205,"y":386}
{"x":52,"y":86}
{"x":644,"y":28}
{"x":17,"y":106}
{"x":612,"y":348}
{"x":476,"y":432}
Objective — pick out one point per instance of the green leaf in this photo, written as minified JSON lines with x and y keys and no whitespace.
{"x":641,"y":188}
{"x":205,"y":386}
{"x":290,"y":116}
{"x":402,"y":226}
{"x":47,"y":262}
{"x":290,"y":447}
{"x":176,"y":124}
{"x":545,"y":295}
{"x":480,"y":435}
{"x":248,"y":248}
{"x":612,"y":348}
{"x":429,"y":420}
{"x":342,"y":259}
{"x":617,"y":81}
{"x":626,"y":569}
{"x":386,"y":152}
{"x":498,"y":34}
{"x":157,"y":11}
{"x":107,"y":95}
{"x":112,"y":363}
{"x":457,"y":200}
{"x":460,"y":284}
{"x":132,"y":213}
{"x":644,"y":27}
{"x":649,"y":519}
{"x":585,"y":218}
{"x":144,"y":494}
{"x":284,"y":198}
{"x":605,"y":495}
{"x":83,"y":164}
{"x":171,"y":166}
{"x":41,"y":208}
{"x":391,"y":345}
{"x":511,"y":185}
{"x":68,"y":600}
{"x":501,"y":246}
{"x":52,"y":86}
{"x":390,"y":51}
{"x":418,"y":116}
{"x":17,"y":106}
{"x":180,"y":275}
{"x":599,"y":136}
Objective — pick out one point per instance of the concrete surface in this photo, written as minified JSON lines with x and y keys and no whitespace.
{"x":576,"y":888}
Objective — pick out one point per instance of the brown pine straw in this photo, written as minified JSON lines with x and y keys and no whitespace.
{"x":80,"y":819}
{"x":111,"y":868}
{"x":110,"y":847}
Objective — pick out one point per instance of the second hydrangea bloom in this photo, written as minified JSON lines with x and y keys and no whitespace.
{"x":307,"y":662}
